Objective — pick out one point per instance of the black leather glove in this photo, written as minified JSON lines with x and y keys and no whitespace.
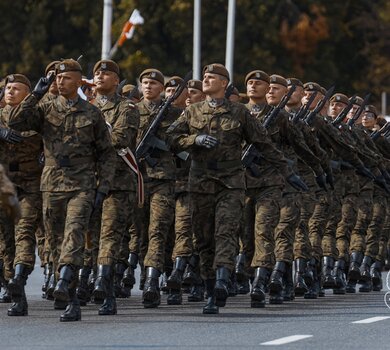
{"x":43,"y":86}
{"x":362,"y":170}
{"x":99,"y":198}
{"x":206,"y":141}
{"x":295,"y":181}
{"x":10,"y":136}
{"x":330,"y":179}
{"x":321,"y":181}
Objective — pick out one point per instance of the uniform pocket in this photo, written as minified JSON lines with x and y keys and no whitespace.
{"x":84,"y":129}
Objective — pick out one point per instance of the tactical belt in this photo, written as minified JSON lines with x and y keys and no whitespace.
{"x":214,"y":165}
{"x":65,"y":162}
{"x":23,"y":166}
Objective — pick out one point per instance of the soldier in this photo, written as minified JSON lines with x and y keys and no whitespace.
{"x":79,"y":161}
{"x":195,"y":92}
{"x":159,"y":209}
{"x":131,"y":92}
{"x":117,"y":213}
{"x":170,"y":88}
{"x":212,"y":131}
{"x":25,"y":172}
{"x":52,"y":93}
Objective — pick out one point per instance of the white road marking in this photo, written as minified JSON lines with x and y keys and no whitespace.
{"x":286,"y":340}
{"x":372,"y":319}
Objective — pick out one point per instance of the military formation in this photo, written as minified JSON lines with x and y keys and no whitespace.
{"x":279,"y":192}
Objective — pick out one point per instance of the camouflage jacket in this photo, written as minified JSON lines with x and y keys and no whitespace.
{"x":165,"y":168}
{"x":24,"y":169}
{"x":123,"y":118}
{"x":77,"y":147}
{"x":232,"y":125}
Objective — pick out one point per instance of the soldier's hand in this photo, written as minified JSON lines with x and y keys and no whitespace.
{"x":206,"y":141}
{"x":295,"y":181}
{"x":10,"y":136}
{"x":43,"y":86}
{"x":330,"y":179}
{"x":321,"y":181}
{"x":362,"y":170}
{"x":99,"y":198}
{"x":11,"y":206}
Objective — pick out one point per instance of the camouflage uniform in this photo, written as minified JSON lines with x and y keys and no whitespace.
{"x":78,"y":160}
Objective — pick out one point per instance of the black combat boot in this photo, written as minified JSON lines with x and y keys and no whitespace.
{"x":365,"y":275}
{"x":51,"y":286}
{"x":211,"y":307}
{"x":276,"y":279}
{"x":175,"y":279}
{"x":5,"y":296}
{"x":365,"y":286}
{"x":327,"y":268}
{"x":232,"y":285}
{"x":196,"y":292}
{"x":354,"y":266}
{"x":314,"y":287}
{"x":309,"y":275}
{"x":151,"y":293}
{"x":128,"y":279}
{"x":119,"y":271}
{"x":221,"y":291}
{"x":376,"y":276}
{"x":17,"y":283}
{"x":258,"y":287}
{"x":142,"y":276}
{"x":102,"y":282}
{"x":350,"y":287}
{"x":61,"y":291}
{"x":73,"y":310}
{"x":47,"y":272}
{"x":300,"y":286}
{"x":109,"y":304}
{"x":339,"y":277}
{"x":243,"y":286}
{"x":288,"y":290}
{"x":19,"y":306}
{"x":82,"y":290}
{"x":190,"y":275}
{"x":240,"y":268}
{"x":175,"y":297}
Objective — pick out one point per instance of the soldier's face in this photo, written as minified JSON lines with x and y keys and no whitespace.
{"x":151,"y":89}
{"x":275,"y":94}
{"x":194,"y":95}
{"x":15,"y":93}
{"x":68,"y":83}
{"x":306,"y":98}
{"x":256,"y":89}
{"x":213,"y":84}
{"x":106,"y":81}
{"x":170,"y":90}
{"x":352,"y":112}
{"x":296,"y":97}
{"x":335,"y":108}
{"x":368,"y":120}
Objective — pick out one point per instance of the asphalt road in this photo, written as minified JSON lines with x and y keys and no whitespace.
{"x":325,"y":323}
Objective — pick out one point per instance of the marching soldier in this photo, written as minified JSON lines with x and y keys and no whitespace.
{"x":79,"y":161}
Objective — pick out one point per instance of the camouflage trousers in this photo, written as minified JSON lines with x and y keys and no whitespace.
{"x":384,"y":237}
{"x":92,"y":237}
{"x":161,"y":210}
{"x":288,"y":222}
{"x":43,"y":248}
{"x":364,"y":216}
{"x":7,"y":244}
{"x":66,"y":217}
{"x":117,"y":214}
{"x":27,"y":227}
{"x":375,"y":227}
{"x":348,"y":214}
{"x":183,"y":227}
{"x":302,"y":245}
{"x":318,"y":221}
{"x":261,"y":216}
{"x":329,"y":247}
{"x":216,"y":219}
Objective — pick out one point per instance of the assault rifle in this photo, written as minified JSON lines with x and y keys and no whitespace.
{"x":359,"y":111}
{"x":375,"y":134}
{"x":339,"y":119}
{"x":317,"y":109}
{"x":229,"y":91}
{"x":149,"y":141}
{"x":301,"y":113}
{"x":250,"y":153}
